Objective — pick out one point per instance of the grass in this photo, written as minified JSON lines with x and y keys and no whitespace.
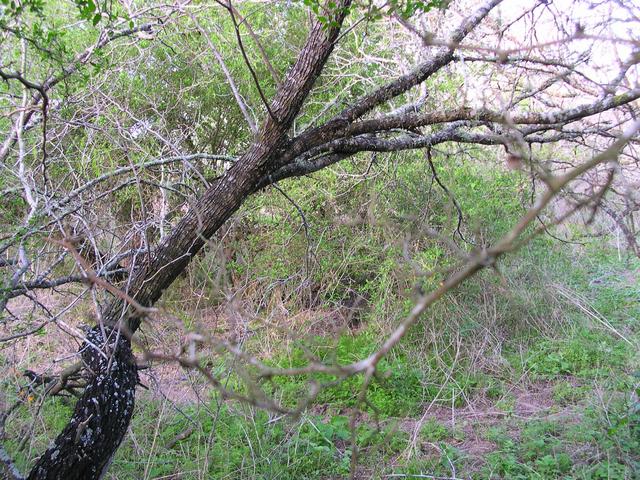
{"x":585,"y":353}
{"x":530,"y":374}
{"x":397,"y":390}
{"x":591,"y":429}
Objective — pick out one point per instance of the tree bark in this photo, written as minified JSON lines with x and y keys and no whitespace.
{"x":88,"y":443}
{"x":225,"y":196}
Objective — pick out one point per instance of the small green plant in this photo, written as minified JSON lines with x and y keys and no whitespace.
{"x":507,"y":403}
{"x":434,"y":431}
{"x":494,"y":389}
{"x":607,"y":470}
{"x":553,"y":466}
{"x":566,"y":393}
{"x":585,"y":354}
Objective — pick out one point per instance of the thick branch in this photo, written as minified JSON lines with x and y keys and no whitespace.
{"x":333,"y":128}
{"x":226,"y":195}
{"x":414,"y":120}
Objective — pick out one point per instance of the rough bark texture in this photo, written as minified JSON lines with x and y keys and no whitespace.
{"x":86,"y":446}
{"x":225,"y":196}
{"x":8,"y":470}
{"x":88,"y":443}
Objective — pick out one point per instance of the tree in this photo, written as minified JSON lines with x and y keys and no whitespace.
{"x":537,"y":75}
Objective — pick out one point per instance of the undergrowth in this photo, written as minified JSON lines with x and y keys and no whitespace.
{"x":551,"y":319}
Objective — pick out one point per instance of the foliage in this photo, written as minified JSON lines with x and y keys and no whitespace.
{"x":585,"y":354}
{"x":347,"y":249}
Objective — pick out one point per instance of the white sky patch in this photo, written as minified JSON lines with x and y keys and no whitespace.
{"x":612,"y":28}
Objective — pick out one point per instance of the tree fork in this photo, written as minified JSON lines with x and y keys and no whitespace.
{"x":88,"y":443}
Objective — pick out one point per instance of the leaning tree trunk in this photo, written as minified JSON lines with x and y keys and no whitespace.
{"x":88,"y":443}
{"x":101,"y":417}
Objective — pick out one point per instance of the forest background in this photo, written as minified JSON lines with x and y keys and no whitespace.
{"x":444,"y":285}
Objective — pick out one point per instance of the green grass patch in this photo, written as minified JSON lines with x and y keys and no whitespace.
{"x":585,"y":353}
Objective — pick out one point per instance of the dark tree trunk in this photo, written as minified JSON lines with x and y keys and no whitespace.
{"x":226,"y":196}
{"x":107,"y":403}
{"x":88,"y":443}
